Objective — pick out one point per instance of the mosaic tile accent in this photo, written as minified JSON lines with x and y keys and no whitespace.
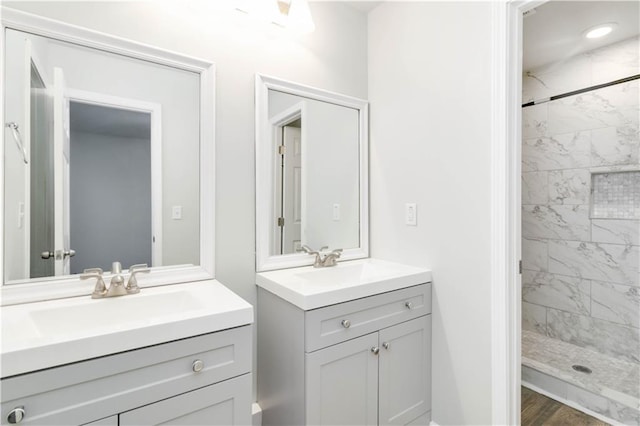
{"x":615,"y":195}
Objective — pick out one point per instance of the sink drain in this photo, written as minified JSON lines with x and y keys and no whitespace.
{"x":581,"y":369}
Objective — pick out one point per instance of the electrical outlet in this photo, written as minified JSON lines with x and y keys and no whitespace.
{"x":411,"y":214}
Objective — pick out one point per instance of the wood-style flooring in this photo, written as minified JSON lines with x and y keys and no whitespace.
{"x":540,"y":410}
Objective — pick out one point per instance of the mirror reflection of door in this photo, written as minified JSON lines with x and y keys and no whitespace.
{"x":110,"y":191}
{"x":290,"y":192}
{"x":41,"y":194}
{"x":61,"y":166}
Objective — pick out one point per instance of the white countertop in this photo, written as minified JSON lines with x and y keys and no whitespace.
{"x":45,"y":334}
{"x":310,"y":288}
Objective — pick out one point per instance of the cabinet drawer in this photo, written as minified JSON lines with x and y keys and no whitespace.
{"x":81,"y":392}
{"x":334,"y":324}
{"x":223,"y":404}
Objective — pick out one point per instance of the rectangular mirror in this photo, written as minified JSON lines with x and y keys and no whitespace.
{"x":106,"y":155}
{"x":311,"y":173}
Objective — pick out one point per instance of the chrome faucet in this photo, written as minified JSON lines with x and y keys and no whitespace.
{"x":116,"y":285}
{"x":321,"y":260}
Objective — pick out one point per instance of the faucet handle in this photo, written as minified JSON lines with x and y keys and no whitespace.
{"x":98,"y":271}
{"x":323,"y":248}
{"x":305,"y":248}
{"x":132,"y":284}
{"x":100,"y":290}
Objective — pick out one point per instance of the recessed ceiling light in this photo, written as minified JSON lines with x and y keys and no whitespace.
{"x":600,"y":30}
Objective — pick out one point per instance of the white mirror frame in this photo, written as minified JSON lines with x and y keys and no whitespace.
{"x":70,"y":286}
{"x":265,"y":174}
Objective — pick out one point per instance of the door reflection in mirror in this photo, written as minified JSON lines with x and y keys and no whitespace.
{"x":110,"y":193}
{"x":41,"y":196}
{"x":318,"y":177}
{"x":92,"y":202}
{"x":289,"y":187}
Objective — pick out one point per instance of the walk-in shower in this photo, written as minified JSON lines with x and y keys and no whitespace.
{"x":581,"y":217}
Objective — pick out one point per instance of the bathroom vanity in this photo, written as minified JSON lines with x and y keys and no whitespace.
{"x":190,"y":364}
{"x":345,"y":345}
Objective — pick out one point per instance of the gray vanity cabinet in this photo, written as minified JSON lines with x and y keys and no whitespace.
{"x":361,"y":362}
{"x":204,"y":379}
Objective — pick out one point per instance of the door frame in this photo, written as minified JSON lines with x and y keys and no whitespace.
{"x":155,"y":111}
{"x":506,"y":137}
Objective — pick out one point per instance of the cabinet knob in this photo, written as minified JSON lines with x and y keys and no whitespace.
{"x":385,"y":345}
{"x":375,"y":350}
{"x":16,"y":415}
{"x":346,"y":323}
{"x":409,"y":305}
{"x":198,"y":365}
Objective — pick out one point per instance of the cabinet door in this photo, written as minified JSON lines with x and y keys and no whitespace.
{"x":405,"y":371}
{"x":342,"y":383}
{"x":226,"y":403}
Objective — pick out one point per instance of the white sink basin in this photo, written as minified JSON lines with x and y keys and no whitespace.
{"x":311,"y":288}
{"x":45,"y":334}
{"x":114,"y":312}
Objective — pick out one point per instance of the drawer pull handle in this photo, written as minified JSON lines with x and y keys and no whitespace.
{"x":346,"y":323}
{"x":198,"y":365}
{"x":16,"y":415}
{"x":375,"y":350}
{"x":409,"y":305}
{"x":385,"y":345}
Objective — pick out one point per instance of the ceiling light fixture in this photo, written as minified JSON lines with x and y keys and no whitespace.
{"x":293,"y":15}
{"x":600,"y":30}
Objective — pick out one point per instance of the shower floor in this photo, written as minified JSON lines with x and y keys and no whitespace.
{"x":611,"y":390}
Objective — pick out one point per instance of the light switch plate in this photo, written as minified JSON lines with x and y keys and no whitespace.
{"x":336,"y":212}
{"x":411,"y":214}
{"x":176,"y":212}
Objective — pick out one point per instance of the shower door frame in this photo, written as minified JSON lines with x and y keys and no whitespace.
{"x":506,"y":157}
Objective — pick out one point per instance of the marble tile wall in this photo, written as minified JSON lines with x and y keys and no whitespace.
{"x":609,"y":63}
{"x":581,"y":273}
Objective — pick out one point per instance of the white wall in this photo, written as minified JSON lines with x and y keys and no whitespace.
{"x":429,"y":88}
{"x":333,"y":57}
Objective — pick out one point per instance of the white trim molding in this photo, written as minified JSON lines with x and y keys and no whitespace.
{"x":265,"y":175}
{"x":506,"y":129}
{"x":70,"y":286}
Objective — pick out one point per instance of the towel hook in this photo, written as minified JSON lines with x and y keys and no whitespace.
{"x":16,"y":136}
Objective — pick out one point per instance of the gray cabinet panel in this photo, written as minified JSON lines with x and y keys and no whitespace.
{"x":405,"y":371}
{"x":94,"y":389}
{"x":423,"y":420}
{"x":109,"y":421}
{"x":222,"y":404}
{"x":342,"y":383}
{"x":325,"y":326}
